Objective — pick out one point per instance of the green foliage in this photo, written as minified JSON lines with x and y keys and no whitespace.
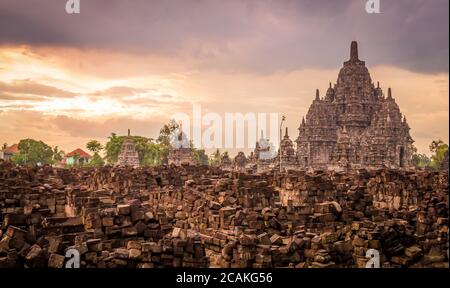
{"x":96,"y":161}
{"x":33,"y":152}
{"x":94,"y":146}
{"x":143,"y":146}
{"x":420,"y":160}
{"x":58,"y":155}
{"x":163,"y":140}
{"x":200,"y":156}
{"x":435,"y":145}
{"x":214,"y":159}
{"x":165,"y":133}
{"x":154,"y":154}
{"x":112,"y":147}
{"x":439,"y":148}
{"x":149,"y":152}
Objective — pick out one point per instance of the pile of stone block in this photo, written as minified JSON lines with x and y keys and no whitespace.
{"x":193,"y":216}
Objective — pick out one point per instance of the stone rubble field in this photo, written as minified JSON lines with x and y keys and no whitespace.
{"x":195,"y":216}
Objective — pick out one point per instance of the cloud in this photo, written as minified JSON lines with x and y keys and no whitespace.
{"x":120,"y":91}
{"x":103,"y":128}
{"x":13,"y":97}
{"x":25,"y":88}
{"x":258,"y":36}
{"x":70,"y":132}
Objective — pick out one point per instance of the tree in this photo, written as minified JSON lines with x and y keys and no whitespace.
{"x":142,"y":146}
{"x":154,"y":154}
{"x":58,"y":155}
{"x":439,"y":148}
{"x":200,"y":156}
{"x":166,"y":132}
{"x":435,"y":145}
{"x":33,"y":152}
{"x":151,"y":152}
{"x":164,"y":138}
{"x":5,"y":145}
{"x":420,"y":160}
{"x":94,"y":146}
{"x":215,"y":158}
{"x":96,"y":161}
{"x":113,"y":147}
{"x":145,"y":147}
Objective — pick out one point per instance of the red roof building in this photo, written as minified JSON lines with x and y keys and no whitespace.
{"x":7,"y":153}
{"x":14,"y":149}
{"x":82,"y":157}
{"x":78,"y":152}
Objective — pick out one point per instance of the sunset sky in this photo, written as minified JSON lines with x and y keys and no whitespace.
{"x":66,"y":79}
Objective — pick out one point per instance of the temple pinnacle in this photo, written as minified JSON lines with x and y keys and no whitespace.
{"x":354,"y":51}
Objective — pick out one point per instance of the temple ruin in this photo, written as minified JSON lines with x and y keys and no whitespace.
{"x":180,"y":150}
{"x":355,"y":125}
{"x":128,"y":155}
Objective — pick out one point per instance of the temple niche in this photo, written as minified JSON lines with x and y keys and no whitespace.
{"x":354,"y":125}
{"x":128,"y":156}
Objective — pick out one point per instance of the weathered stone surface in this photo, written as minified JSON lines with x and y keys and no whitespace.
{"x":205,"y":217}
{"x":56,"y":261}
{"x":128,"y":155}
{"x":353,"y":125}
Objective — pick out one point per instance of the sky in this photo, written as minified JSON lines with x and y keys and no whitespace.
{"x":69,"y":78}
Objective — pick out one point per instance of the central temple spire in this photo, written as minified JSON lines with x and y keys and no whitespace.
{"x":354,"y":51}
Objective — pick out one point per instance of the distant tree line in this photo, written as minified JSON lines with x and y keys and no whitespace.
{"x":153,"y":152}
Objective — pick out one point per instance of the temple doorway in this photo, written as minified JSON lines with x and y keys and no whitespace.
{"x":402,"y":156}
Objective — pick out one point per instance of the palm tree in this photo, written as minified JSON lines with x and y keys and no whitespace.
{"x":94,"y":146}
{"x":58,"y":155}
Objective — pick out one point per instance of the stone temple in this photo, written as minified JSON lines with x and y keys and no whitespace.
{"x":355,"y":125}
{"x":128,"y":156}
{"x":180,"y":151}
